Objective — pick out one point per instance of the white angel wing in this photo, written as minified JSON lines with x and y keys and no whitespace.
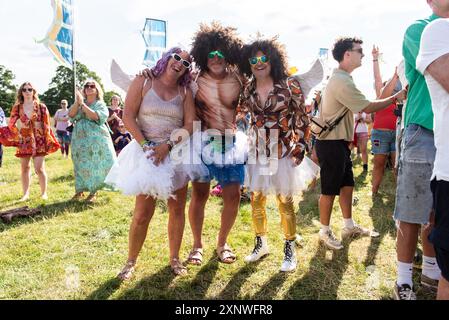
{"x":119,"y":77}
{"x":311,"y":78}
{"x":401,"y":74}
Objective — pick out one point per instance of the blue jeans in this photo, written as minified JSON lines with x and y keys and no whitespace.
{"x":413,"y":195}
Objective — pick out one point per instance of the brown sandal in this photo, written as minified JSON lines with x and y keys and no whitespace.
{"x":225,"y":254}
{"x":91,"y":198}
{"x":78,"y":196}
{"x":127,"y":271}
{"x":195,"y":256}
{"x":177,"y":267}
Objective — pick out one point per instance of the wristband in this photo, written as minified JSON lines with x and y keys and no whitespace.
{"x":375,"y":60}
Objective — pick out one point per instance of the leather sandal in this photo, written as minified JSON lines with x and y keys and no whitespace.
{"x":225,"y":254}
{"x":127,"y":271}
{"x":177,"y":267}
{"x":195,"y":256}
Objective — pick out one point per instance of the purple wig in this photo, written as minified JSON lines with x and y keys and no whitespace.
{"x":162,"y":63}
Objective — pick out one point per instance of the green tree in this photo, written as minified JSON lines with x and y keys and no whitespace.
{"x":7,"y":89}
{"x":61,"y":86}
{"x":108,"y":96}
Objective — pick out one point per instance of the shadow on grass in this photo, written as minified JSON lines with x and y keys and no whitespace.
{"x":308,"y":206}
{"x":47,"y":211}
{"x":232,"y":289}
{"x":154,"y":287}
{"x":382,"y":216}
{"x":324,"y":277}
{"x":106,"y":290}
{"x":67,"y":178}
{"x":269,"y":290}
{"x":203,"y":279}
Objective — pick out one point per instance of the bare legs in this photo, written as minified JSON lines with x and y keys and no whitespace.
{"x":39,"y":168}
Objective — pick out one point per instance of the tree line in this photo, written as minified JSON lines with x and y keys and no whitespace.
{"x":60,"y":87}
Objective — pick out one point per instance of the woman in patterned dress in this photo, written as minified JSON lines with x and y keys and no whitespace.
{"x":29,"y":130}
{"x":278,"y":133}
{"x":92,"y":150}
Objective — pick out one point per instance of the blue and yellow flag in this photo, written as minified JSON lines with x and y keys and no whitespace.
{"x":155,"y":36}
{"x":59,"y":39}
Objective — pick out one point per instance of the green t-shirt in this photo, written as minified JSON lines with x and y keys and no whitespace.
{"x":419,"y":105}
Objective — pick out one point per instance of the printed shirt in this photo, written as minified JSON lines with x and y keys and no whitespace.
{"x":285,"y":111}
{"x":419,"y":106}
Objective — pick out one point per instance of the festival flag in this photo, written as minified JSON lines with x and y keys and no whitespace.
{"x":155,"y":36}
{"x":59,"y":38}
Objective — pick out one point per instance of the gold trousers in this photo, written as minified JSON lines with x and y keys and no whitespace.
{"x":288,"y":216}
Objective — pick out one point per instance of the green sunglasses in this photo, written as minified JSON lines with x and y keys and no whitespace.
{"x":253,"y":61}
{"x":216,"y":53}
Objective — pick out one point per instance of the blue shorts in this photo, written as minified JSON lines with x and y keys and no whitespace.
{"x":383,"y":142}
{"x":228,"y":174}
{"x":413,"y":195}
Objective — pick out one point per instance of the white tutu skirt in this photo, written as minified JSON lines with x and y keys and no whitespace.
{"x":135,"y":174}
{"x":282,"y":177}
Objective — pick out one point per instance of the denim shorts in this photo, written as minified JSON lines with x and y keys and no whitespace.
{"x":413,"y":195}
{"x":383,"y":142}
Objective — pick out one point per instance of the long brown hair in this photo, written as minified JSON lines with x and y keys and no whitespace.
{"x":19,"y":95}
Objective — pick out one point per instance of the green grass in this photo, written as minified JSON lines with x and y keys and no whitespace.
{"x":74,"y":250}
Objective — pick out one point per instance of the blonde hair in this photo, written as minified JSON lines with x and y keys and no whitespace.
{"x":19,"y":95}
{"x":100,"y":93}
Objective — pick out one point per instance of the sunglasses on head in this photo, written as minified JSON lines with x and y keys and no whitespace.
{"x":27,"y":89}
{"x":253,"y":61}
{"x":91,"y":86}
{"x":216,"y":53}
{"x":178,"y":58}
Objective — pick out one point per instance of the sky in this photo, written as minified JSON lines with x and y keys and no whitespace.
{"x":110,"y":29}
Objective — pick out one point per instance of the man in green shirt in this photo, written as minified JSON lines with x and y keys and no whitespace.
{"x":413,"y":195}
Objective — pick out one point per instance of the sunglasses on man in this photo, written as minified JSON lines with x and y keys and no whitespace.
{"x":216,"y":53}
{"x":178,"y":58}
{"x":253,"y":61}
{"x":27,"y":89}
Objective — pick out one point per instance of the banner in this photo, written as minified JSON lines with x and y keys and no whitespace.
{"x":59,"y":38}
{"x":155,"y":36}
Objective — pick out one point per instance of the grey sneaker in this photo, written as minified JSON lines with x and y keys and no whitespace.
{"x":329,"y":240}
{"x":429,"y":283}
{"x":357,"y":231}
{"x":403,"y":292}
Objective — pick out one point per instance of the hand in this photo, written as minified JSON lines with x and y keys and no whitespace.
{"x":145,"y":73}
{"x":159,"y":153}
{"x":375,"y":52}
{"x":401,"y":95}
{"x":79,"y":99}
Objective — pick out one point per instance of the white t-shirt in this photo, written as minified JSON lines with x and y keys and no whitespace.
{"x":434,"y":44}
{"x":360,"y":118}
{"x":62,"y":124}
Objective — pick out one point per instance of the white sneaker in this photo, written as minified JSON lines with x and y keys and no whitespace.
{"x":329,"y":240}
{"x":357,"y":231}
{"x":260,"y":249}
{"x":289,"y":263}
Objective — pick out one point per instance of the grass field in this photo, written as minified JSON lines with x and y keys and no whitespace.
{"x":74,"y":250}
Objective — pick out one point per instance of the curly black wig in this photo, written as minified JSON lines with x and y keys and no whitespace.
{"x":216,"y":37}
{"x":274,"y":50}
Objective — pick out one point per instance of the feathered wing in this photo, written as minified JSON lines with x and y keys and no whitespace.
{"x":119,"y":77}
{"x":311,"y":78}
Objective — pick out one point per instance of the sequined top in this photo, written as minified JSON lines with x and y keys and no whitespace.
{"x":216,"y":101}
{"x":157,"y":118}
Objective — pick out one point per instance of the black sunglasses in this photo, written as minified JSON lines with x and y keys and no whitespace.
{"x":27,"y":89}
{"x":178,"y":58}
{"x":92,"y":86}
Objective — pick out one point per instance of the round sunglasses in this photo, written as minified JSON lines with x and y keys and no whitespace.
{"x":253,"y":61}
{"x":178,"y":58}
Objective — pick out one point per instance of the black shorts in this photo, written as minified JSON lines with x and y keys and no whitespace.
{"x":440,"y":232}
{"x":335,"y":161}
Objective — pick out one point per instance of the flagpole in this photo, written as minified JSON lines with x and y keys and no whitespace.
{"x":73,"y":51}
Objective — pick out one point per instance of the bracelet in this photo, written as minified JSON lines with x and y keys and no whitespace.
{"x":170,"y":144}
{"x":143,"y":142}
{"x":375,"y":60}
